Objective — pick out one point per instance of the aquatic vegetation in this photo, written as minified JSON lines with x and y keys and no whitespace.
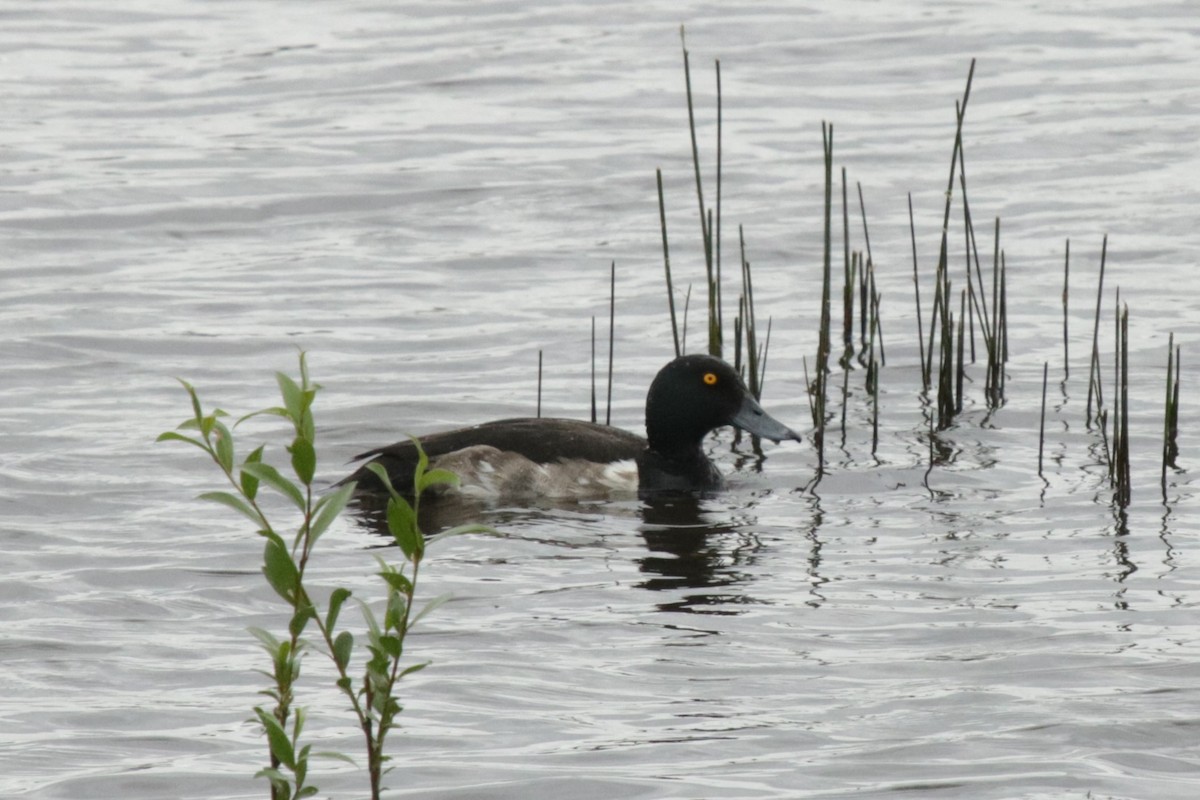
{"x":950,"y":337}
{"x":368,"y":673}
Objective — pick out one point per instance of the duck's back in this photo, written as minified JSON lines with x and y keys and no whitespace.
{"x":536,"y":440}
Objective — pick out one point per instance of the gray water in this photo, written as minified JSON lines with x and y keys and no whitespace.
{"x":424,"y":195}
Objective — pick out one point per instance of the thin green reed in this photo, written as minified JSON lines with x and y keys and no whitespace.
{"x":1094,"y":393}
{"x":975,"y":286}
{"x":824,"y":345}
{"x":706,"y":216}
{"x":717,"y":320}
{"x":1124,"y":484}
{"x":995,"y":364}
{"x":848,"y":282}
{"x":960,"y":114}
{"x":612,"y":325}
{"x":749,"y":326}
{"x":593,"y":369}
{"x":868,"y":273}
{"x":960,"y":369}
{"x":1170,"y":450}
{"x":912,"y":228}
{"x":1066,"y":323}
{"x":662,"y":217}
{"x":1042,"y":422}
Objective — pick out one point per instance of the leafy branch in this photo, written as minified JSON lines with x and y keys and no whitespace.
{"x":372,"y":697}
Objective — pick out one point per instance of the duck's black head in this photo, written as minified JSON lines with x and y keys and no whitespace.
{"x":692,"y":396}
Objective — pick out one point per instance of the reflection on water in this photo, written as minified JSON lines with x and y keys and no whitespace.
{"x":693,"y":555}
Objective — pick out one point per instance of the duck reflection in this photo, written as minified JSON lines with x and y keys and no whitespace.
{"x":697,"y":554}
{"x":689,"y":549}
{"x":433,"y":516}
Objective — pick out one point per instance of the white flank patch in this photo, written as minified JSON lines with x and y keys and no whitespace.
{"x":620,"y":476}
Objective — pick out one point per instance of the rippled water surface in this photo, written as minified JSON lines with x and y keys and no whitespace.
{"x":423,"y":196}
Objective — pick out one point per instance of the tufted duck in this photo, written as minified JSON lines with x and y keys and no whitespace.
{"x":543,"y":457}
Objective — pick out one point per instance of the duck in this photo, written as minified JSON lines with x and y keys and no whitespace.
{"x":543,"y":457}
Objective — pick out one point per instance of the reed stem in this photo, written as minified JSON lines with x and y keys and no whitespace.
{"x":662,"y":217}
{"x":1042,"y":424}
{"x":1094,"y":393}
{"x":715,"y":233}
{"x":593,"y":369}
{"x":1065,"y":297}
{"x":612,"y":324}
{"x":917,"y":290}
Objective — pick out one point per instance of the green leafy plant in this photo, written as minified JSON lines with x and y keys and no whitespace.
{"x":372,"y":689}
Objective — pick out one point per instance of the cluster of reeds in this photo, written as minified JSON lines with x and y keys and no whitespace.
{"x":749,"y":349}
{"x":1115,"y":445}
{"x":949,"y":344}
{"x":950,"y":334}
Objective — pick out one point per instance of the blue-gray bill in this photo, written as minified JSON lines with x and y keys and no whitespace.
{"x":752,"y":419}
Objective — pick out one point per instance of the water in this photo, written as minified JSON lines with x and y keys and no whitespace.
{"x":423,"y":196}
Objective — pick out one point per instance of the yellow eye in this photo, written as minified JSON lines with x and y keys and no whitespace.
{"x":710,"y":378}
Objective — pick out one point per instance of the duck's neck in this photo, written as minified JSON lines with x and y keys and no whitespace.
{"x":686,"y":470}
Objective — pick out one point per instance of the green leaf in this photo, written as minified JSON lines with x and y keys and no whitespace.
{"x":249,"y":483}
{"x":339,"y":596}
{"x":438,"y":477}
{"x":391,"y":708}
{"x":293,"y":397}
{"x":297,"y":726}
{"x":302,"y":762}
{"x":307,"y":426}
{"x":271,"y":477}
{"x":304,"y":381}
{"x":274,"y":411}
{"x":459,"y":530}
{"x":172,"y":436}
{"x":281,"y":746}
{"x":267,"y":639}
{"x":430,"y":606}
{"x":224,"y":446}
{"x":328,"y":509}
{"x":397,"y":604}
{"x":335,"y":755}
{"x":279,"y":569}
{"x":300,"y":619}
{"x":236,"y":503}
{"x":397,"y":580}
{"x":197,"y":412}
{"x":414,"y":668}
{"x":402,"y":523}
{"x":382,"y":473}
{"x":280,"y":782}
{"x":343,"y":646}
{"x":379,"y":701}
{"x":369,"y":618}
{"x":391,"y":645}
{"x":422,"y":465}
{"x":307,"y":791}
{"x":304,"y":459}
